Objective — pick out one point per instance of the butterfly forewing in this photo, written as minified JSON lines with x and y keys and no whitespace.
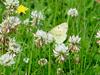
{"x":59,"y":32}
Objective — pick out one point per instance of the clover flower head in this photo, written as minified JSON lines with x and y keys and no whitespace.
{"x":74,"y":39}
{"x":38,"y":15}
{"x":11,"y":4}
{"x":14,"y":21}
{"x":49,"y":38}
{"x":14,"y":47}
{"x":42,"y":61}
{"x":60,"y":71}
{"x":7,"y":59}
{"x":98,"y":34}
{"x":26,"y":60}
{"x":60,"y":52}
{"x":72,"y":12}
{"x":41,"y":34}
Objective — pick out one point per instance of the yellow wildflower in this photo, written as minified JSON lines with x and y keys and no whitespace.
{"x":21,"y":9}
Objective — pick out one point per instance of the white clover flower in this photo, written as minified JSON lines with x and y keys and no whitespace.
{"x":72,"y":12}
{"x":13,"y":46}
{"x":42,"y":34}
{"x":60,"y":52}
{"x":49,"y":38}
{"x":7,"y":59}
{"x":14,"y":21}
{"x":5,"y":26}
{"x":98,"y":34}
{"x":43,"y":38}
{"x":10,"y":22}
{"x":4,"y":22}
{"x":74,"y":43}
{"x":26,"y":60}
{"x":74,"y":39}
{"x":60,"y":71}
{"x":38,"y":15}
{"x":11,"y":3}
{"x":42,"y":61}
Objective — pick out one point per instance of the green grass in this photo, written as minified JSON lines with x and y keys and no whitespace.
{"x":55,"y":11}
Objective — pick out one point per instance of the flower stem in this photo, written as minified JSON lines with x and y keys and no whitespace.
{"x":68,"y":19}
{"x":49,"y":64}
{"x":30,"y":64}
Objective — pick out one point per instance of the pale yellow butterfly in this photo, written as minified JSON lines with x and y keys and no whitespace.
{"x":59,"y":33}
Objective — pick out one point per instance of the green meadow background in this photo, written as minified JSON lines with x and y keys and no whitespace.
{"x":85,"y":25}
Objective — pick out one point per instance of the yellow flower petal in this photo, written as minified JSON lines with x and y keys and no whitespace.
{"x":21,"y":9}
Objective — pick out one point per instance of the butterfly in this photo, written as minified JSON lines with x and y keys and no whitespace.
{"x":59,"y":33}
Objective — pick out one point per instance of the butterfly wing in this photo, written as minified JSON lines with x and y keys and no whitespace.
{"x":60,"y":39}
{"x":59,"y":33}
